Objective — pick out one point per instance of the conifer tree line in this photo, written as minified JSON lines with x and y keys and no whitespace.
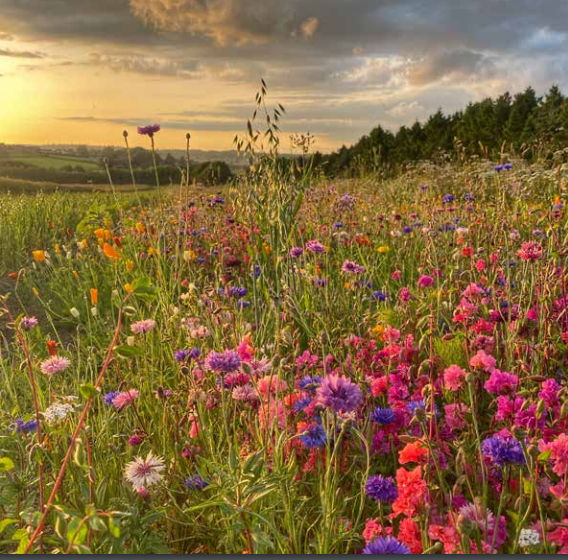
{"x":523,"y":125}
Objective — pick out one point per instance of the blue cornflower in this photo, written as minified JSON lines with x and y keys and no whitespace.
{"x":299,"y":405}
{"x":380,"y":488}
{"x":108,"y":398}
{"x":196,"y":482}
{"x":469,"y":197}
{"x":407,"y":229}
{"x":236,"y":291}
{"x":503,"y":451}
{"x":243,"y":304}
{"x":26,"y":427}
{"x":384,"y":416}
{"x":314,"y":436}
{"x":379,"y":295}
{"x":413,"y":406}
{"x":309,"y":383}
{"x":448,"y":198}
{"x":338,"y":225}
{"x":385,"y":545}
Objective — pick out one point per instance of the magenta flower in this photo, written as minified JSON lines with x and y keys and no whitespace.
{"x":425,"y":281}
{"x":501,"y":382}
{"x":149,"y":130}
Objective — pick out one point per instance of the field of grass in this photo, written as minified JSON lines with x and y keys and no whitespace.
{"x":288,"y":366}
{"x":56,"y":162}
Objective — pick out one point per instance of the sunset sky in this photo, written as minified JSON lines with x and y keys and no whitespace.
{"x":80,"y":71}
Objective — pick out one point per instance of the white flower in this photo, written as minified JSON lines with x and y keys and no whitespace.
{"x":529,"y":537}
{"x":57,"y":412}
{"x":144,"y":472}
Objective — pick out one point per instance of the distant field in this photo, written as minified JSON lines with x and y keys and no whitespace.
{"x":23,"y":186}
{"x":57,"y":162}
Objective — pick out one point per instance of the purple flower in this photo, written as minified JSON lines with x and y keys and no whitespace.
{"x":379,"y":296}
{"x":385,"y":545}
{"x":315,"y":246}
{"x":448,"y":198}
{"x":350,"y":267}
{"x":109,"y":397}
{"x":296,"y":252}
{"x":149,"y":130}
{"x":29,"y":322}
{"x":223,"y":362}
{"x":196,"y":482}
{"x":339,"y":393}
{"x":185,"y":354}
{"x":502,"y":451}
{"x":380,"y":488}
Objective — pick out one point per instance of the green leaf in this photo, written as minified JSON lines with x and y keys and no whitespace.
{"x":6,"y":464}
{"x":5,"y":523}
{"x":544,"y":456}
{"x":114,"y":527}
{"x":87,"y":391}
{"x":77,"y":531}
{"x":127,"y":351}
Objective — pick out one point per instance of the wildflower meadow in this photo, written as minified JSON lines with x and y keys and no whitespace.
{"x":288,"y":364}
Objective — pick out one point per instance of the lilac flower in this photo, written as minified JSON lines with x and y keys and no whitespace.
{"x":350,"y":267}
{"x":380,"y":488}
{"x":223,"y":362}
{"x":149,"y":130}
{"x":315,"y":246}
{"x":185,"y":355}
{"x":503,"y":451}
{"x":296,"y":252}
{"x":385,"y":545}
{"x":143,"y":327}
{"x":53,"y":365}
{"x":339,"y":393}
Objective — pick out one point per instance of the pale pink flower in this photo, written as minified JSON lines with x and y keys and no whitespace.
{"x":122,"y":400}
{"x":55,"y":364}
{"x":142,"y":473}
{"x":142,"y":327}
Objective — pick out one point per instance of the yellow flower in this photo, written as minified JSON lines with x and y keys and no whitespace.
{"x":378,"y":330}
{"x":189,"y":255}
{"x":129,"y":265}
{"x":140,"y":227}
{"x":57,"y":249}
{"x":384,"y":249}
{"x":76,"y":274}
{"x":39,"y":256}
{"x":35,"y":292}
{"x":128,"y":288}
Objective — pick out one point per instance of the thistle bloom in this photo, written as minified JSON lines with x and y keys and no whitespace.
{"x":149,"y":130}
{"x":385,"y":545}
{"x":53,"y":365}
{"x":223,"y":362}
{"x":339,"y":393}
{"x":144,"y":472}
{"x":380,"y":488}
{"x":143,"y":327}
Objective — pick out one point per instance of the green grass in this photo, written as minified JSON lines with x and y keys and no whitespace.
{"x":57,"y":162}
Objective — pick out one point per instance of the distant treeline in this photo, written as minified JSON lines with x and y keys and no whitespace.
{"x":525,"y":124}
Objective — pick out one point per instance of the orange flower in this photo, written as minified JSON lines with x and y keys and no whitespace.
{"x":413,"y":453}
{"x":13,"y":275}
{"x":110,"y":252}
{"x":140,"y":227}
{"x":94,"y":296}
{"x":76,"y":274}
{"x":100,"y":233}
{"x":52,"y":347}
{"x":39,"y":256}
{"x":128,"y":288}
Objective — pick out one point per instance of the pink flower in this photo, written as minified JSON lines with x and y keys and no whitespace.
{"x":453,"y":378}
{"x":396,"y":275}
{"x":55,"y":364}
{"x":455,"y":415}
{"x":483,"y":361}
{"x":559,"y":454}
{"x":122,"y":400}
{"x":425,"y":281}
{"x":142,"y":327}
{"x":271,"y":384}
{"x":501,"y":382}
{"x":530,"y":251}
